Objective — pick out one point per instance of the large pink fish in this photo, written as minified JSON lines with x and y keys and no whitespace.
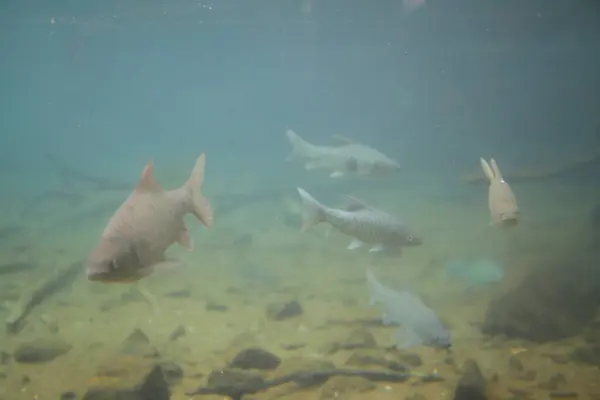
{"x":501,"y":199}
{"x":145,"y":225}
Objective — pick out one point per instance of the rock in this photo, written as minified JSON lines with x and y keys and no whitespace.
{"x":369,"y":359}
{"x":280,"y":311}
{"x":410,"y":359}
{"x":587,"y":355}
{"x":229,"y":377}
{"x":514,"y":364}
{"x":41,"y":350}
{"x":153,"y":386}
{"x":68,"y":396}
{"x":337,"y":386}
{"x":138,"y":344}
{"x":416,"y":396}
{"x":560,"y":358}
{"x":177,"y":333}
{"x":212,"y":306}
{"x":255,"y":358}
{"x":554,"y":302}
{"x":554,"y":383}
{"x":359,"y":339}
{"x":472,"y":383}
{"x":5,"y":358}
{"x":171,"y":371}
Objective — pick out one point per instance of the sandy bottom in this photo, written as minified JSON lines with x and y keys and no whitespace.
{"x":313,"y":268}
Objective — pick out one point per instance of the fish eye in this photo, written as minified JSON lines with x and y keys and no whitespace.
{"x":410,"y":238}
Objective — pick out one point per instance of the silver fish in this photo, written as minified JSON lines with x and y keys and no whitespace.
{"x":364,"y":223}
{"x":350,"y":158}
{"x":145,"y":225}
{"x":501,"y":199}
{"x":419,"y":324}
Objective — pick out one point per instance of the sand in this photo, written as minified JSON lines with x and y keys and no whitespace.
{"x":314,"y":268}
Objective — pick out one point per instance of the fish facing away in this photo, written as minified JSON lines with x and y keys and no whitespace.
{"x":501,"y":199}
{"x":366,"y":224}
{"x":419,"y":324}
{"x":350,"y":158}
{"x":145,"y":225}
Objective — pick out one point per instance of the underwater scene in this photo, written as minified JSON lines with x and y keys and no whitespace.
{"x":299,"y":199}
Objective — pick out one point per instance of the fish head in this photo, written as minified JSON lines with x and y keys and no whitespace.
{"x":113,"y":261}
{"x":403,"y":238}
{"x":384,"y":166}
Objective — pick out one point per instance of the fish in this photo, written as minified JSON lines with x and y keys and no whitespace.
{"x":366,"y":224}
{"x":501,"y":199}
{"x":419,"y":325}
{"x":349,"y":158}
{"x":146,"y":224}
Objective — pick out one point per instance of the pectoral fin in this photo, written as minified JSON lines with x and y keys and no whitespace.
{"x":185,"y":240}
{"x":377,"y":248}
{"x":354,"y":244}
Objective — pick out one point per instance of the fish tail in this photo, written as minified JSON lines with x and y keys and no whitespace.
{"x":200,"y":206}
{"x":300,"y":147}
{"x":313,"y":213}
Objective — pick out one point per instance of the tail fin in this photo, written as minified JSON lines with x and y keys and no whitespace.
{"x":313,"y":213}
{"x":487,"y":170}
{"x":300,"y":147}
{"x":200,"y":205}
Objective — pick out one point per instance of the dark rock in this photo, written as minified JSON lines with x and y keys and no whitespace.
{"x":279,"y":311}
{"x":563,"y":395}
{"x":171,"y":371}
{"x":528,"y":376}
{"x":152,"y":387}
{"x":181,"y":294}
{"x":514,"y":364}
{"x":554,"y":302}
{"x":255,"y":358}
{"x":410,"y":359}
{"x":212,"y":306}
{"x":68,"y":396}
{"x":41,"y":350}
{"x":138,"y":344}
{"x":5,"y":358}
{"x":359,"y":339}
{"x":560,"y":358}
{"x":364,"y":359}
{"x":177,"y":333}
{"x":472,"y":384}
{"x":416,"y":396}
{"x":228,"y":378}
{"x":587,"y":355}
{"x":338,"y":386}
{"x":554,"y":383}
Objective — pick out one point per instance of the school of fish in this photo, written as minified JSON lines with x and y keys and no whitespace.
{"x":150,"y":220}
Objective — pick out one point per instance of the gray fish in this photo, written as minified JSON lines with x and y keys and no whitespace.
{"x":350,"y":158}
{"x":419,"y":324}
{"x":364,"y":223}
{"x":501,"y":199}
{"x":145,"y":225}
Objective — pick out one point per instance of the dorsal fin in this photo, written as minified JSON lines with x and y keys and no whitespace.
{"x":355,"y":204}
{"x":147,"y":183}
{"x":343,"y":140}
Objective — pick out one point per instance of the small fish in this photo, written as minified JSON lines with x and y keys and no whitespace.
{"x":419,"y":324}
{"x":145,"y":225}
{"x":501,"y":200}
{"x":361,"y":221}
{"x":350,"y":158}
